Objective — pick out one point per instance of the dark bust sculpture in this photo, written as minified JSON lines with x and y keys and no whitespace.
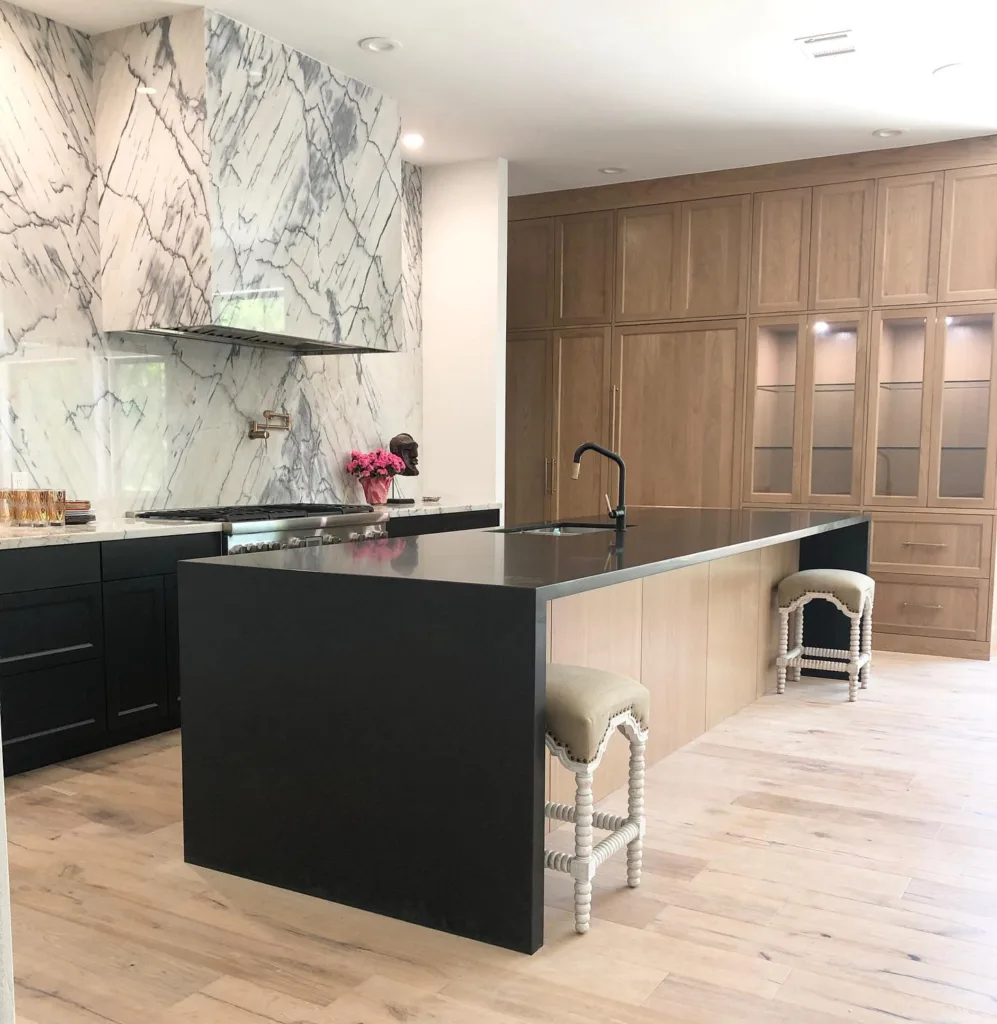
{"x":407,"y":449}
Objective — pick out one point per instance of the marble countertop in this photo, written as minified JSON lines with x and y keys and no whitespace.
{"x":656,"y":540}
{"x":125,"y":528}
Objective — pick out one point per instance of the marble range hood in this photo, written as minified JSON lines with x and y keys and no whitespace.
{"x":249,"y":194}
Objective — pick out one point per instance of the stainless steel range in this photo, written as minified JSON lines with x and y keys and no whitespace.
{"x":272,"y":527}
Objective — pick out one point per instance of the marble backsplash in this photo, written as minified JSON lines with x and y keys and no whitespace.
{"x":131,"y":421}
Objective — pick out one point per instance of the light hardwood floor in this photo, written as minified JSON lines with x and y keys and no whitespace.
{"x":807,"y":861}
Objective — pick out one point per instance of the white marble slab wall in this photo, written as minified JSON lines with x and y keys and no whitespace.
{"x":305,"y":182}
{"x":133,"y":422}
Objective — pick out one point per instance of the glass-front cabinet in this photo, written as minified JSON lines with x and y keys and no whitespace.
{"x":964,"y":424}
{"x":901,"y":365}
{"x":806,"y":388}
{"x":776,"y":378}
{"x":834,"y":404}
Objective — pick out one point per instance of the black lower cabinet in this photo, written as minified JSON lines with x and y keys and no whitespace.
{"x":52,"y":714}
{"x":172,"y":650}
{"x":442,"y":522}
{"x":135,"y":654}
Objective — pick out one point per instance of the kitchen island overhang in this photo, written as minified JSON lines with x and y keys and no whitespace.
{"x":365,"y":723}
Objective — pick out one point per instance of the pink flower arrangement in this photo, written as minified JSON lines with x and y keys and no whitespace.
{"x":378,"y":463}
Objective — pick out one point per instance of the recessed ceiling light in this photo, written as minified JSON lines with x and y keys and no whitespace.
{"x":888,"y":133}
{"x":379,"y":44}
{"x":820,"y":327}
{"x":146,"y":90}
{"x":412,"y":140}
{"x":612,"y":170}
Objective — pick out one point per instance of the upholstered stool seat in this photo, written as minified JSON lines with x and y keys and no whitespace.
{"x":853,"y":594}
{"x":584,"y":706}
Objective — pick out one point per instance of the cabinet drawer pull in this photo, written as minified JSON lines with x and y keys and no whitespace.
{"x":612,"y":420}
{"x":546,"y":476}
{"x":925,"y":607}
{"x":924,"y":544}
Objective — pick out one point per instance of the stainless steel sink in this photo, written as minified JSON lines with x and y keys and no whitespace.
{"x":562,"y":529}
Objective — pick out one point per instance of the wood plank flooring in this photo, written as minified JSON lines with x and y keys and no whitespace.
{"x":807,"y":861}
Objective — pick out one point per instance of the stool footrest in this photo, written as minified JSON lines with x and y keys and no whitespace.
{"x":615,"y":841}
{"x":600,"y":819}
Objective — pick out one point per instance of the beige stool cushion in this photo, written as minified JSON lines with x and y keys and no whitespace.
{"x":850,"y":588}
{"x":582,"y":701}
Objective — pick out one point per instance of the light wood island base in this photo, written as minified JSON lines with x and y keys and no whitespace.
{"x":702,"y":639}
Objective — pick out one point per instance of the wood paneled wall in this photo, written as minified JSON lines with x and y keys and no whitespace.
{"x":649,"y":299}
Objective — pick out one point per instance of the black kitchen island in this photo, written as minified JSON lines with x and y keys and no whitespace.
{"x":364,"y":723}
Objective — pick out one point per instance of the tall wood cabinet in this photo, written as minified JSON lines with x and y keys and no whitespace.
{"x":821,"y":336}
{"x":677,"y":411}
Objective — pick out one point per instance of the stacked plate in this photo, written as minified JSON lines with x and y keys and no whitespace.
{"x":78,"y":513}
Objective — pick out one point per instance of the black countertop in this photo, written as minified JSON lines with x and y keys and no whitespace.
{"x":656,"y":540}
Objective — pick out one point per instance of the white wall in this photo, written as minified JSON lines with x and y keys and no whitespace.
{"x":464,"y":229}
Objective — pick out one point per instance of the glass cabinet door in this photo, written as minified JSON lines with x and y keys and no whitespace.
{"x":775,"y":376}
{"x":833,"y":415}
{"x":901,"y":358}
{"x":963,"y":421}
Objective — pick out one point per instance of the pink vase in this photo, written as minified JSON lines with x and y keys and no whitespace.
{"x":376,"y":489}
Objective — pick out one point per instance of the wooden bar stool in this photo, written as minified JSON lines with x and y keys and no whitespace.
{"x":584,"y":706}
{"x":852,"y":593}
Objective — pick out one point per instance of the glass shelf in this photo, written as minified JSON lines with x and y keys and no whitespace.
{"x":966,"y":383}
{"x":901,"y":385}
{"x":773,"y":447}
{"x":776,"y":389}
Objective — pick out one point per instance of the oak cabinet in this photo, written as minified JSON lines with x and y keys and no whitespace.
{"x":676,"y":420}
{"x":932,"y":545}
{"x":780,"y":250}
{"x":581,"y":411}
{"x":969,"y":235}
{"x":530,"y":284}
{"x":776,"y":376}
{"x":841,"y":245}
{"x":528,"y":470}
{"x":647,"y":262}
{"x":583,"y":269}
{"x":901,"y":375}
{"x":908,"y":226}
{"x":834,"y":410}
{"x":713,"y":257}
{"x":963,"y":413}
{"x":953,"y":607}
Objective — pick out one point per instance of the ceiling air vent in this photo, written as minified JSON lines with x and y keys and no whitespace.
{"x":828,"y":44}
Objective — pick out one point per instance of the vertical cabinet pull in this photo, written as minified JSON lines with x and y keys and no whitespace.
{"x":546,"y":476}
{"x":612,"y":419}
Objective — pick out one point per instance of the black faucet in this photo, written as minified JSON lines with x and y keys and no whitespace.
{"x":619,"y":514}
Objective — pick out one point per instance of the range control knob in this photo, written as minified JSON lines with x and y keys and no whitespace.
{"x":237,"y":549}
{"x":327,"y":538}
{"x":294,"y":542}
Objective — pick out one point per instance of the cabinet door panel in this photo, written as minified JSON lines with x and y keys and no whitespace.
{"x":964,"y":408}
{"x":528,"y":474}
{"x":530,"y":294}
{"x":908,"y":225}
{"x":171,"y":600}
{"x":584,"y":269}
{"x":135,"y":652}
{"x":582,"y":407}
{"x":841,"y":245}
{"x":969,"y":235}
{"x":898,"y":422}
{"x":776,"y":374}
{"x":780,"y":258}
{"x":679,"y":412}
{"x":834,"y":410}
{"x":713,"y":260}
{"x":43,"y":628}
{"x":648,"y":262}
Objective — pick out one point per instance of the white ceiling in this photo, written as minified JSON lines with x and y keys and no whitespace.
{"x":564,"y":87}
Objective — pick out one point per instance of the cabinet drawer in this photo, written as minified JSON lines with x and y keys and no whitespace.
{"x":155,"y":556}
{"x":936,"y":545}
{"x":42,"y":568}
{"x":43,"y":628}
{"x":51,"y":714}
{"x":943,"y":606}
